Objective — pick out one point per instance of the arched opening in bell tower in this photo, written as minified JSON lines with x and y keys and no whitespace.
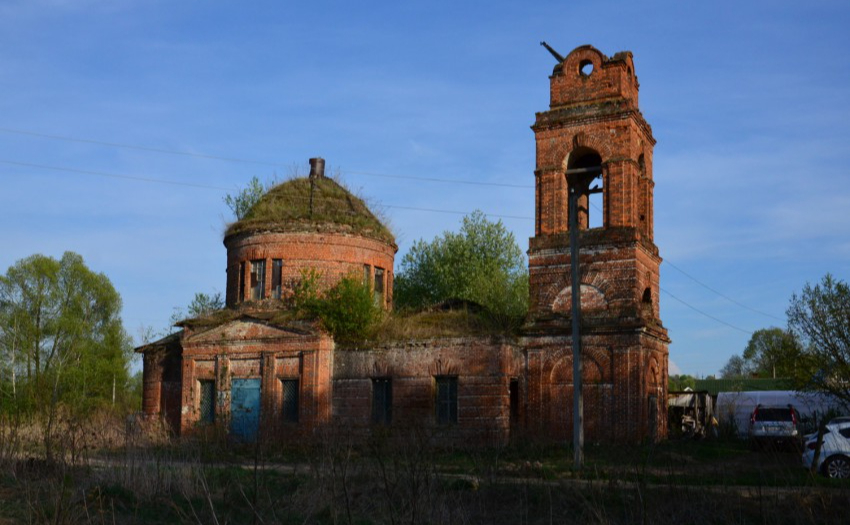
{"x":584,"y":171}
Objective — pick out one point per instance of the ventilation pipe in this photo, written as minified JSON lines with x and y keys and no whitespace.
{"x":317,"y":167}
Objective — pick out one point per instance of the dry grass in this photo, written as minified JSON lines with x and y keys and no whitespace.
{"x":429,"y":325}
{"x":400,"y":477}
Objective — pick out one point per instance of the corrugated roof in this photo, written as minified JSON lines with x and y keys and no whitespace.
{"x":714,"y":386}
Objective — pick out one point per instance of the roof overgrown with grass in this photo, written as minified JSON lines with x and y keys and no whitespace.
{"x":317,"y":204}
{"x":273,"y":312}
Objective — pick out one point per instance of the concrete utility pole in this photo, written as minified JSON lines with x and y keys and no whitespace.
{"x":578,"y":182}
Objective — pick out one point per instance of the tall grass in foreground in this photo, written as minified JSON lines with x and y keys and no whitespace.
{"x":110,"y":471}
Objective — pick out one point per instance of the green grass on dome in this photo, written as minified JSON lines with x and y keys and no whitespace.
{"x":287,"y":207}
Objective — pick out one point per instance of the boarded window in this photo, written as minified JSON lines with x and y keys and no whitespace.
{"x":277,"y":278}
{"x":382,"y":400}
{"x":290,"y":400}
{"x":241,"y":283}
{"x":258,"y":279}
{"x":379,"y":286}
{"x":207,"y":401}
{"x":446,"y":399}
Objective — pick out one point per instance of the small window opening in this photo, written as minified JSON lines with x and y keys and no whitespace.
{"x":585,"y":68}
{"x":446,"y":399}
{"x":277,"y":278}
{"x":258,"y":279}
{"x":241,"y":283}
{"x":289,"y":410}
{"x":646,"y":301}
{"x":207,"y":401}
{"x":378,"y":292}
{"x":382,"y":400}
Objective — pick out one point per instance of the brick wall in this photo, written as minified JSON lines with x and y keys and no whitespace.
{"x":333,"y":255}
{"x":483,"y":368}
{"x":596,"y":116}
{"x":247,"y":348}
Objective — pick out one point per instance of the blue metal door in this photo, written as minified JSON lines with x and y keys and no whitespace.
{"x":245,"y":409}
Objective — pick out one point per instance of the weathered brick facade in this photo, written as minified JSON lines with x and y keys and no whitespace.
{"x":332,"y":255}
{"x":473,"y":390}
{"x":593,"y":121}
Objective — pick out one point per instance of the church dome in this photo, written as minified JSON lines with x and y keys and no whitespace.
{"x":307,"y":224}
{"x":311,"y":204}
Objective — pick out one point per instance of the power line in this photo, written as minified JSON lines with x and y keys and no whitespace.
{"x":206,"y":186}
{"x":134,"y":147}
{"x":434,"y":179}
{"x":112,"y":175}
{"x":707,"y":287}
{"x":695,"y":309}
{"x":251,"y":161}
{"x":355,"y":172}
{"x":460,"y":212}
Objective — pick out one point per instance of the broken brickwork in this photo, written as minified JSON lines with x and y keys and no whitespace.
{"x":593,"y":122}
{"x":289,"y":379}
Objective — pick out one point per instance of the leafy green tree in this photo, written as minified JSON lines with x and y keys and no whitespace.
{"x":736,"y":367}
{"x":773,"y":352}
{"x":820,"y":318}
{"x":245,"y":199}
{"x":481,"y":263}
{"x":770,"y":352}
{"x":348,"y":311}
{"x":678,"y":383}
{"x":61,"y":334}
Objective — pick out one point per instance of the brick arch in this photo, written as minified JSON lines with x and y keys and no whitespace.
{"x":596,"y":368}
{"x":653,"y":375}
{"x":594,"y":292}
{"x":444,"y":367}
{"x":588,"y":141}
{"x":380,"y":368}
{"x":592,"y":299}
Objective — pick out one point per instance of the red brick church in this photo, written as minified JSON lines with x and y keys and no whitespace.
{"x":254,"y":371}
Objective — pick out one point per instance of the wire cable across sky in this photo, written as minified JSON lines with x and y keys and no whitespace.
{"x":353,"y":172}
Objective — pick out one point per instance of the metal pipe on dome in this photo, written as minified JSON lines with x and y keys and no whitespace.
{"x":317,"y":167}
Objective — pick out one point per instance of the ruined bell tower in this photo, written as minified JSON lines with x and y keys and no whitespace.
{"x":594,"y":138}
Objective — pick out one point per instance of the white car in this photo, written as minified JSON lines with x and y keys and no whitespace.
{"x":834,"y":459}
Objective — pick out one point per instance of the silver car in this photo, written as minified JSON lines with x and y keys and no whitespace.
{"x":834,"y":459}
{"x":774,"y":425}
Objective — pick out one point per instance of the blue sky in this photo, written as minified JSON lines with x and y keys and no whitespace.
{"x":749,"y":102}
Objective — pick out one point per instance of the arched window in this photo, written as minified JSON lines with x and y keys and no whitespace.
{"x":584,"y":171}
{"x":646,"y":302}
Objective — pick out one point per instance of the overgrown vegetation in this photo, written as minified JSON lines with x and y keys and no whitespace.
{"x":303,"y":204}
{"x":63,"y":349}
{"x":347,"y":310}
{"x":771,"y":352}
{"x":399,"y":476}
{"x":820,"y":318}
{"x":482,"y":263}
{"x":243,"y":200}
{"x":813,"y":353}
